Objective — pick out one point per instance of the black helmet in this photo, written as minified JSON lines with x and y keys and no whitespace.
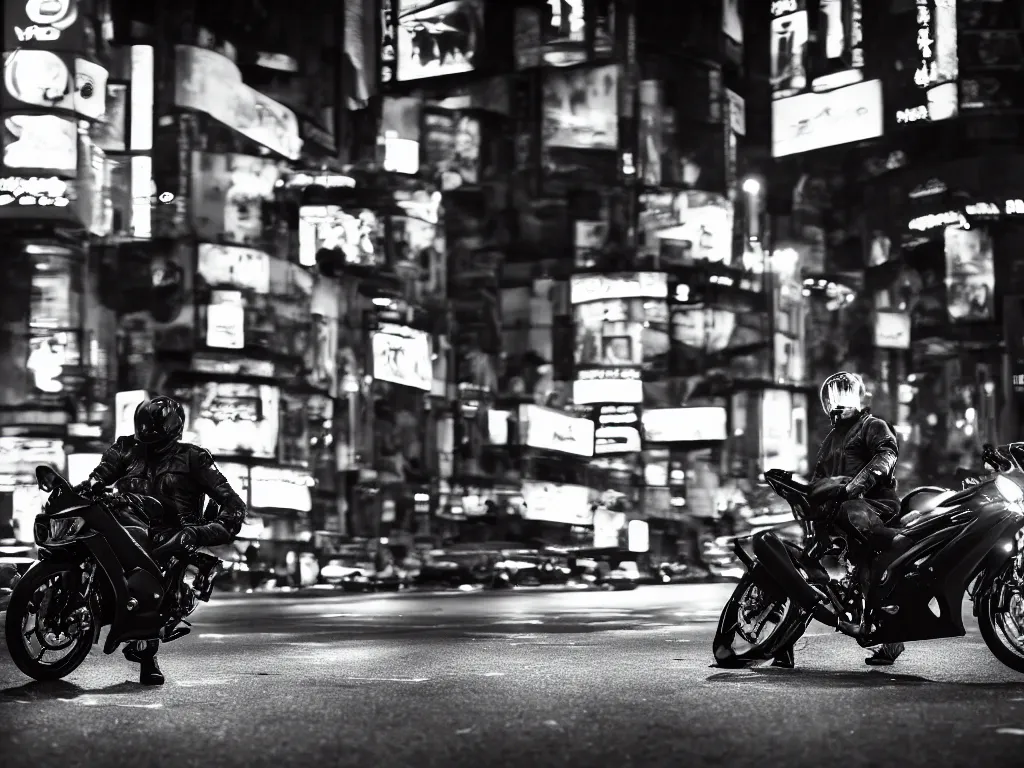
{"x":159,"y":422}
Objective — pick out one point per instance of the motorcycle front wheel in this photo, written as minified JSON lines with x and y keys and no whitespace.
{"x":50,"y":629}
{"x":1001,"y":618}
{"x":754,"y":626}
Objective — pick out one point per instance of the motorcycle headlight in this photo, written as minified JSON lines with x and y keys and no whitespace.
{"x":1008,"y":489}
{"x":65,"y":528}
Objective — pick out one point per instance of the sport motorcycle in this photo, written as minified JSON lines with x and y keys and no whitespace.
{"x":961,"y":542}
{"x":94,"y":572}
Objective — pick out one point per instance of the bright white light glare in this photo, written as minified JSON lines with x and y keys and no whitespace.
{"x":752,"y":187}
{"x":141,"y":130}
{"x":142,"y":189}
{"x":280,"y":488}
{"x":943,"y":102}
{"x":1008,"y":489}
{"x":80,"y":465}
{"x":401,"y":155}
{"x":785,"y":261}
{"x":638,"y":536}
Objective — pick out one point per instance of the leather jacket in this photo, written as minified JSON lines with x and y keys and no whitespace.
{"x":178,"y":477}
{"x":863,"y":448}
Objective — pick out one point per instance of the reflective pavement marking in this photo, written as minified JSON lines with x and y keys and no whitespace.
{"x":516,"y":621}
{"x":1010,"y":731}
{"x":104,"y":701}
{"x":561,"y":645}
{"x":390,"y":679}
{"x":489,"y":674}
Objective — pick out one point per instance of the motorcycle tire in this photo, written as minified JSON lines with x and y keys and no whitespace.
{"x":788,"y":629}
{"x":36,"y":576}
{"x":988,"y":609}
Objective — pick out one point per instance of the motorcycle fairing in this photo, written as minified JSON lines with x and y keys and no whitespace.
{"x":759,"y":573}
{"x":939,"y":567}
{"x":143,"y":623}
{"x":130,"y":572}
{"x":779,"y":565}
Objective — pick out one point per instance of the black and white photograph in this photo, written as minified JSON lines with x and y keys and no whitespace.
{"x":632,"y":383}
{"x":970,"y":274}
{"x":438,"y":37}
{"x":581,"y":108}
{"x":789,"y":38}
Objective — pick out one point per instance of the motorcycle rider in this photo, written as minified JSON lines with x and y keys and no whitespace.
{"x":854,"y":468}
{"x":154,"y":462}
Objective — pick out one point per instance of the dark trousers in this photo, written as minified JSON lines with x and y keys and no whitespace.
{"x":864,"y":520}
{"x":126,"y":516}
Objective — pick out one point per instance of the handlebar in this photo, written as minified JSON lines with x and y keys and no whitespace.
{"x":994,"y":457}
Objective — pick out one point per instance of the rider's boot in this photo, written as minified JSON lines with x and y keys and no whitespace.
{"x":144,"y":653}
{"x":149,"y":672}
{"x":885,"y":655}
{"x":784,"y":659}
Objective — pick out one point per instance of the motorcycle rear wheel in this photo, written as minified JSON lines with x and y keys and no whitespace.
{"x":997,"y":625}
{"x":734,"y":645}
{"x":20,"y":608}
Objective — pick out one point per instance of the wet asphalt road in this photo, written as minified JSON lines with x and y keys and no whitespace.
{"x":523,"y":679}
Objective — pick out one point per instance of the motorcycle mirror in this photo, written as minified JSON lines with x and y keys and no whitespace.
{"x":46,"y":478}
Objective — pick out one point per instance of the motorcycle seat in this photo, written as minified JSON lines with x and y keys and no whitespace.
{"x":921,"y":499}
{"x":920,"y":503}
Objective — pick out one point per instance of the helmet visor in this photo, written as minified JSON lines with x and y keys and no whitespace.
{"x":842,"y":391}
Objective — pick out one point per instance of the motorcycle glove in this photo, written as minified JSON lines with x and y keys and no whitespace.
{"x":89,"y":488}
{"x":829,"y":489}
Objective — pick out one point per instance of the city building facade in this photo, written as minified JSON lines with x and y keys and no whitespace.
{"x":895,"y":141}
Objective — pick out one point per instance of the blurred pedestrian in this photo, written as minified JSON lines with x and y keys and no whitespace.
{"x":252,"y":562}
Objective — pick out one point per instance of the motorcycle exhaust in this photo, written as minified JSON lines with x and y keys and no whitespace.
{"x":774,"y":556}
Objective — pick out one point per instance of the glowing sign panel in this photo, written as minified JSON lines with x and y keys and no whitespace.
{"x":16,"y":190}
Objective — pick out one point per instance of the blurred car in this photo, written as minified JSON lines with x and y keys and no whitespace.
{"x":357,"y":572}
{"x":458,"y":567}
{"x":530,"y":568}
{"x":677,"y":573}
{"x":610,"y":568}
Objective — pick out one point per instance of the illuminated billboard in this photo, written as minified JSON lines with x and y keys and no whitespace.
{"x":818,"y":120}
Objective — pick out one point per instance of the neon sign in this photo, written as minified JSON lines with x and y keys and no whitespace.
{"x":48,"y":19}
{"x":912,"y":115}
{"x":857,"y":34}
{"x":1014,"y":207}
{"x":782,"y":7}
{"x":15,"y":190}
{"x":982,"y":209}
{"x":933,"y":220}
{"x":936,"y":42}
{"x":924,"y":74}
{"x":388,"y":55}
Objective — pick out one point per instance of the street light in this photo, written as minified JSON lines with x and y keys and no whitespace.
{"x":752,"y":187}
